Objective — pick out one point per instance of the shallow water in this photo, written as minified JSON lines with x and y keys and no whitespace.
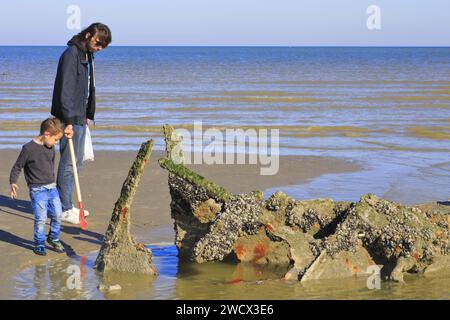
{"x":209,"y":281}
{"x":219,"y":280}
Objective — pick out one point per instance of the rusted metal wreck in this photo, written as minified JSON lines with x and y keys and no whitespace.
{"x":317,"y":239}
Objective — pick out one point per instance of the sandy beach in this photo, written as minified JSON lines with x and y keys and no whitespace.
{"x":101,"y":182}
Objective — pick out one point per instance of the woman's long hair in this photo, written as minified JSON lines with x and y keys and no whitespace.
{"x":102,"y":30}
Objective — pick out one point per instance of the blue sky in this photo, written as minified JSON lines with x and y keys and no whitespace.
{"x":232,"y":22}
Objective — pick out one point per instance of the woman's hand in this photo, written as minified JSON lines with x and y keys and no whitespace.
{"x":68,"y":131}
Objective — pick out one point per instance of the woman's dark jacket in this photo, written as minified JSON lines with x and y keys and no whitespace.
{"x":73,"y":101}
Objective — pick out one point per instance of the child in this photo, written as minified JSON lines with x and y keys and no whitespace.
{"x":38,"y":160}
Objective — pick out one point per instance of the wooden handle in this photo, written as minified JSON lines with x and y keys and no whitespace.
{"x":75,"y":170}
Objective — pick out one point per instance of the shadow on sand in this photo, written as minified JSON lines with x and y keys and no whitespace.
{"x":17,"y":206}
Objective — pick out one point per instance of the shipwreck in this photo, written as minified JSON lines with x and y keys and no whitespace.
{"x":316,"y":239}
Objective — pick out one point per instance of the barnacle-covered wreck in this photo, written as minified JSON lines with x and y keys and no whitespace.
{"x":317,"y":239}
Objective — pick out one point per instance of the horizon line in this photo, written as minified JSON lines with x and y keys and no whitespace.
{"x":245,"y":46}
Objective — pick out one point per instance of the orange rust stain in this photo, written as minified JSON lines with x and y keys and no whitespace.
{"x":398,"y":249}
{"x":416,"y":255}
{"x":355,"y":269}
{"x":123,"y":213}
{"x":348,"y":263}
{"x":259,"y":251}
{"x":269,"y":227}
{"x":350,"y":266}
{"x":439,"y":233}
{"x":239,"y":251}
{"x":234,"y":281}
{"x":140,"y":246}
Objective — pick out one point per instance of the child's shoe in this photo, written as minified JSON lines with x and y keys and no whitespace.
{"x":40,"y":250}
{"x":56,"y":244}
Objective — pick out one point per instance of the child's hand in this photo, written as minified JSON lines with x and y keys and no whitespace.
{"x":68,"y":131}
{"x":14,"y":188}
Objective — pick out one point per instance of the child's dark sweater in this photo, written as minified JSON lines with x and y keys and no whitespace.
{"x":38,"y":162}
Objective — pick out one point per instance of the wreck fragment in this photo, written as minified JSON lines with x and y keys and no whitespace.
{"x":120,"y":251}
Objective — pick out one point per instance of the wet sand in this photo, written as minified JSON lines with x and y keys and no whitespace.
{"x":101,"y":182}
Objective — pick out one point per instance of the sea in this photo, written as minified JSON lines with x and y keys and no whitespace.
{"x":385,"y":108}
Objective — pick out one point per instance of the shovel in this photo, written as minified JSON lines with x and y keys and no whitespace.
{"x":83,"y":223}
